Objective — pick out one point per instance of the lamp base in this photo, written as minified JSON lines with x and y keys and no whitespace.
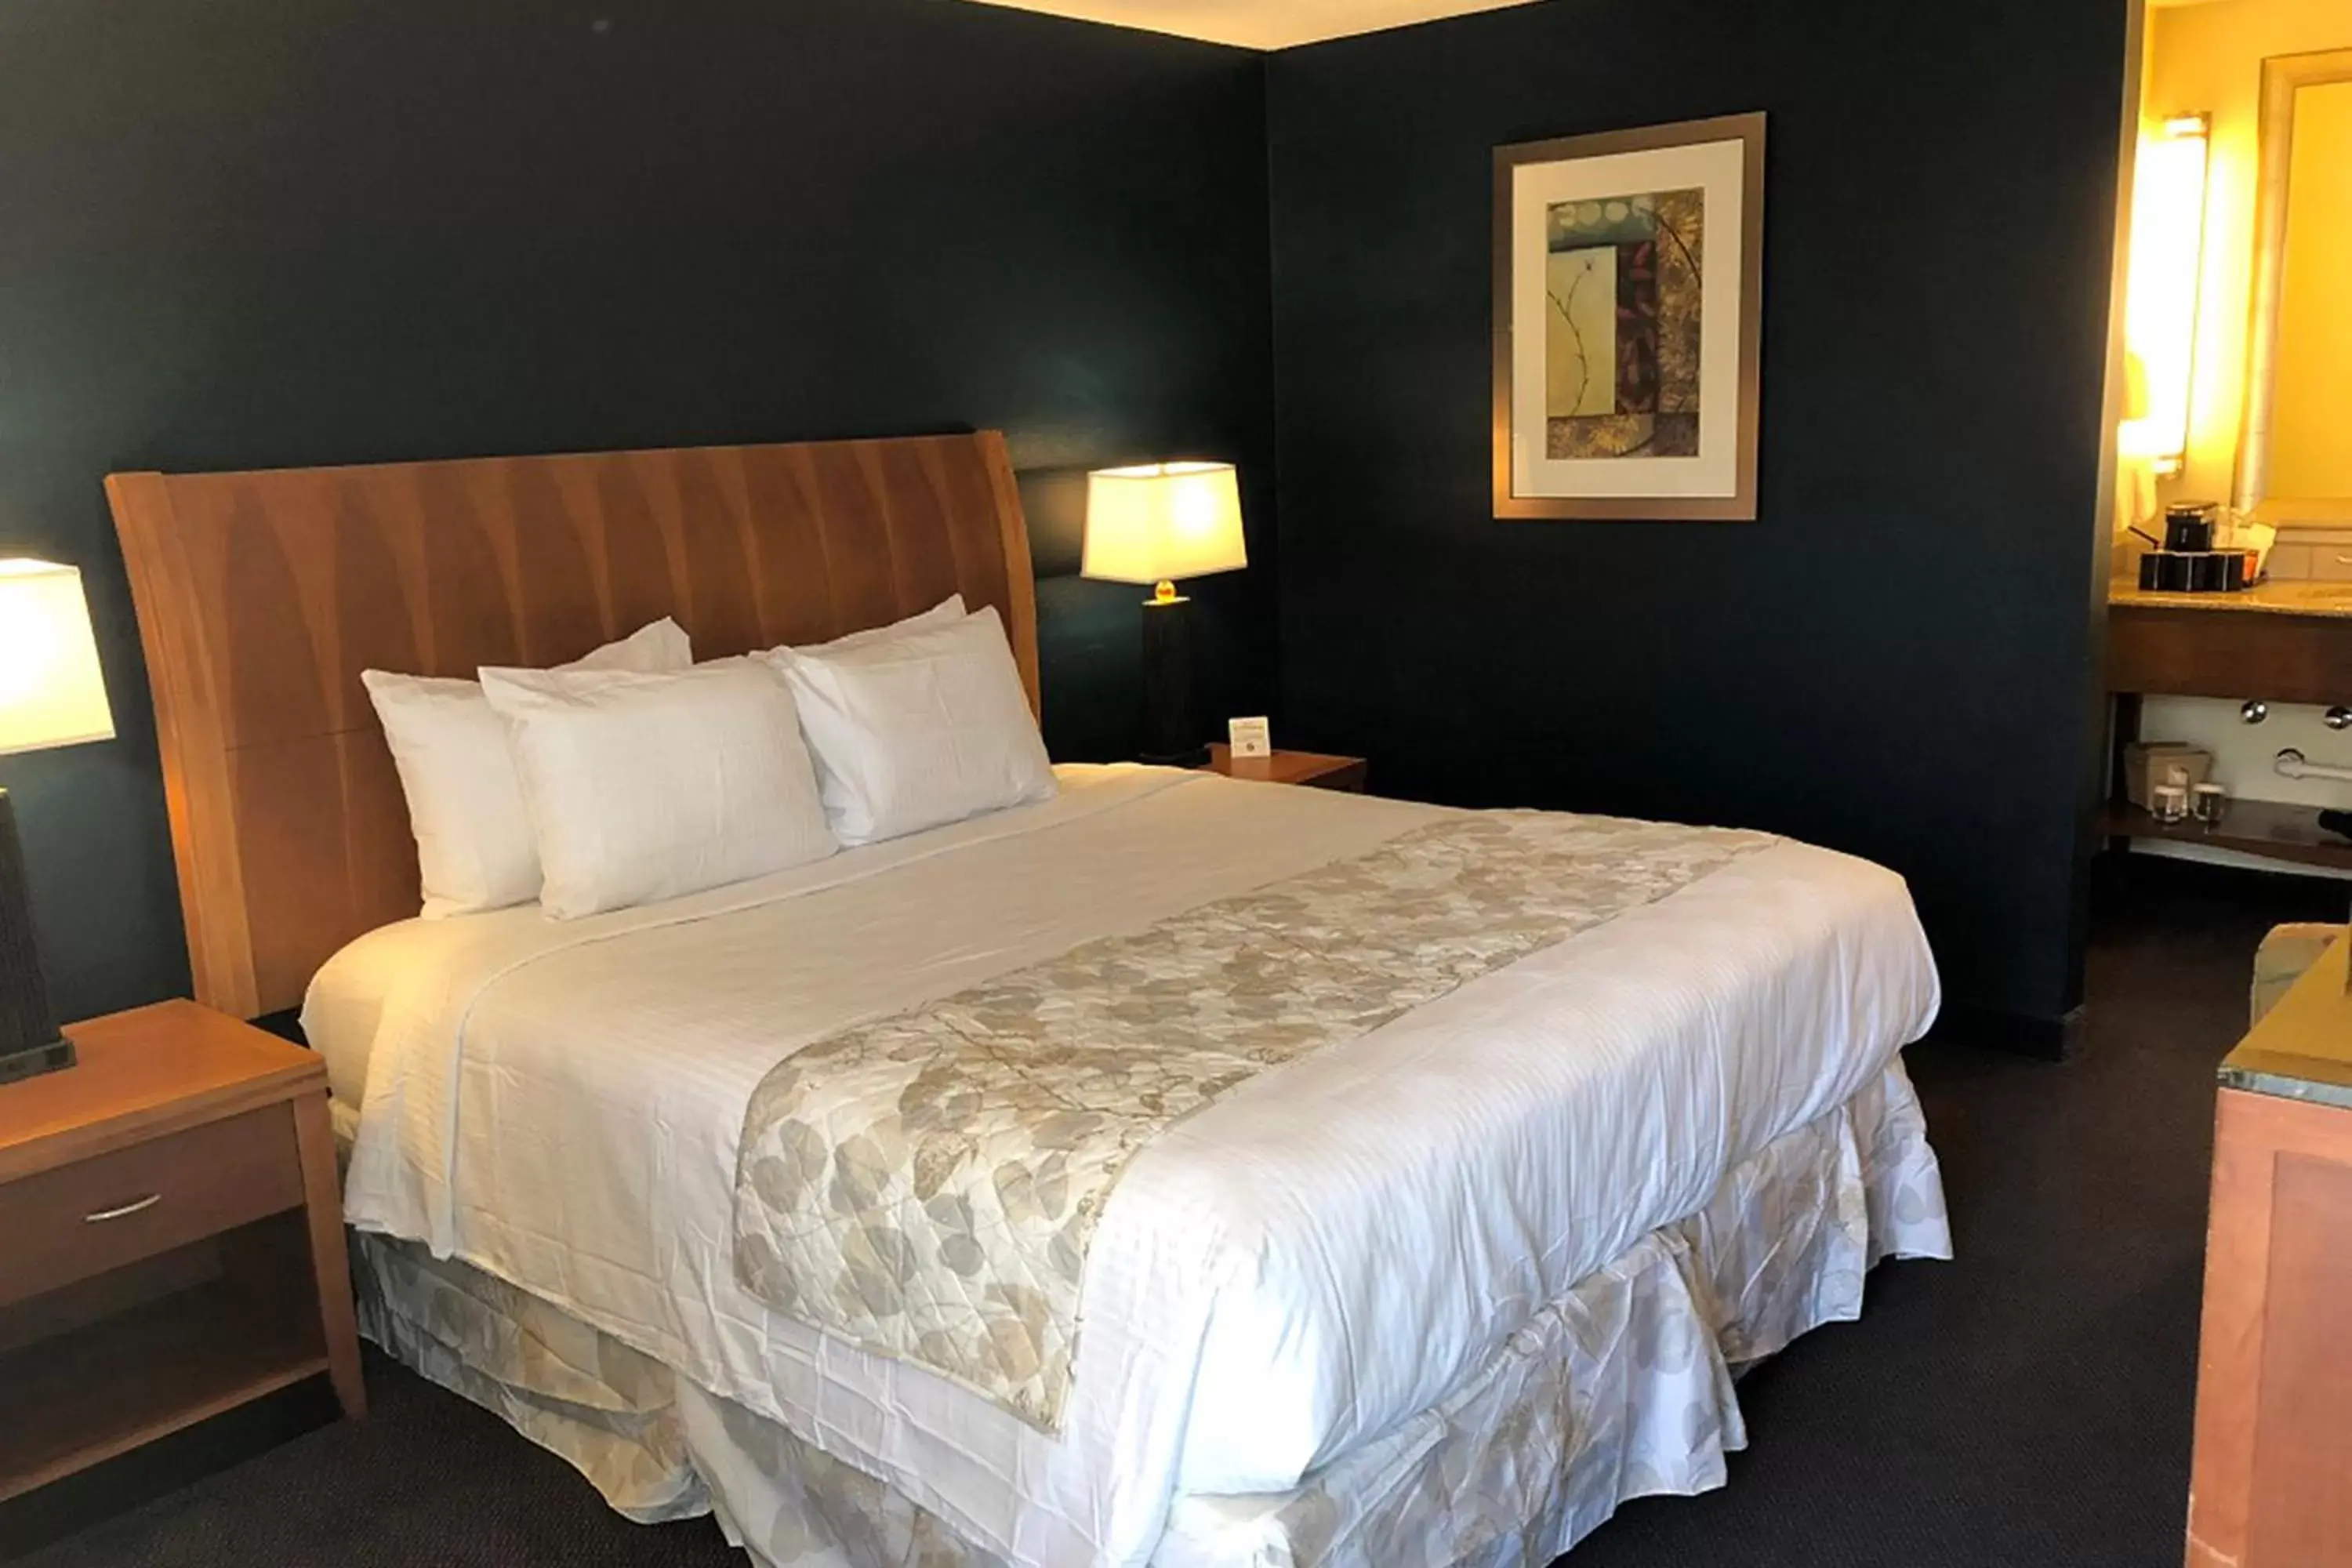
{"x":30,"y":1042}
{"x":1172,"y":717}
{"x":35,"y":1060}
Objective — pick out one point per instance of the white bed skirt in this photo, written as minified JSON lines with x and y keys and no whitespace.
{"x":1622,"y":1389}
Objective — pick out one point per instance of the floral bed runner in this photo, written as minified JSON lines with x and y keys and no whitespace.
{"x":926,"y":1184}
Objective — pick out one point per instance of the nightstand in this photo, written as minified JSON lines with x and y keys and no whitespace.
{"x":171,"y":1238}
{"x":1312,"y":768}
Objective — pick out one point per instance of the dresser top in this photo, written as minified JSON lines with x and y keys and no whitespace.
{"x":2301,"y":1049}
{"x":144,"y":1073}
{"x":2291,"y":597}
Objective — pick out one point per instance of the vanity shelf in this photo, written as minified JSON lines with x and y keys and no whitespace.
{"x":2250,"y":828}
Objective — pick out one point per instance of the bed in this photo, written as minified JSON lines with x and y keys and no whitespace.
{"x":1446,"y":1285}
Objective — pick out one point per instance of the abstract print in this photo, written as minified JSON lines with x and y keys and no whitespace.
{"x":1622,"y":312}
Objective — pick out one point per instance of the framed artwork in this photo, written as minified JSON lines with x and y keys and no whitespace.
{"x":1629,"y":293}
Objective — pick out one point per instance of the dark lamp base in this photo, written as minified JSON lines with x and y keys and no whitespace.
{"x":35,"y":1060}
{"x":30,"y":1042}
{"x":1198,"y":757}
{"x":1172,"y":716}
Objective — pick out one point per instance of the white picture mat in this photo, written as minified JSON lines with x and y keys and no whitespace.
{"x":1717,"y":169}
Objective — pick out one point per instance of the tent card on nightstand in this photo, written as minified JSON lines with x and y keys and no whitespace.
{"x":1250,"y":737}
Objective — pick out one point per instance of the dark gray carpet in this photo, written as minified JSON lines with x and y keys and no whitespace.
{"x":2028,"y":1404}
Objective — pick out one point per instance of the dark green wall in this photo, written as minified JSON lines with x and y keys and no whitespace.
{"x":244,"y":233}
{"x":1897,"y":658}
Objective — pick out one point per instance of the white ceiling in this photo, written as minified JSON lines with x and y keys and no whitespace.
{"x":1258,"y":23}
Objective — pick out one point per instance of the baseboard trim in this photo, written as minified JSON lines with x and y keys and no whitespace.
{"x":2019,"y":1033}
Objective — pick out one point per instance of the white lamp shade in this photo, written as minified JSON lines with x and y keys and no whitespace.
{"x":1164,"y":520}
{"x":51,"y":693}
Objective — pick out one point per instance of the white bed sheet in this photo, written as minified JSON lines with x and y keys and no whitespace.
{"x":1276,"y":1280}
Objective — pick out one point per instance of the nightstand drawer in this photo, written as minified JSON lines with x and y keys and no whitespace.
{"x":82,"y":1219}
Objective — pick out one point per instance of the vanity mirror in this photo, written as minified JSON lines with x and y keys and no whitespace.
{"x":2294,"y":452}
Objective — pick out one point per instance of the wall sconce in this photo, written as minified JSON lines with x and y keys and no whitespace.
{"x":2167,"y":249}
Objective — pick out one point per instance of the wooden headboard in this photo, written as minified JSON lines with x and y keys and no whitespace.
{"x":262,"y":596}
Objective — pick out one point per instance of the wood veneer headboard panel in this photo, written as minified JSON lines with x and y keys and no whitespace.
{"x":262,"y":596}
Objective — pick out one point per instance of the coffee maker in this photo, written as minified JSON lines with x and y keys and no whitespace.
{"x":2188,"y":563}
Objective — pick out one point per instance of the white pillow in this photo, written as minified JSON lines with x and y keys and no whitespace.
{"x":928,"y":727}
{"x":473,"y":835}
{"x":946,"y":612}
{"x":648,"y":786}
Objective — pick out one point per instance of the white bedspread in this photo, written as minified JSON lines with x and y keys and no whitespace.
{"x":1278,"y":1279}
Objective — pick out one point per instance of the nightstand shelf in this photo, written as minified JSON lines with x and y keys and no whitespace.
{"x":111,"y":1386}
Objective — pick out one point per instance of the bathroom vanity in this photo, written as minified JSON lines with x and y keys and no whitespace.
{"x":2286,"y":641}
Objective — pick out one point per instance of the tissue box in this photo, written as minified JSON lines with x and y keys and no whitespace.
{"x":2146,"y":763}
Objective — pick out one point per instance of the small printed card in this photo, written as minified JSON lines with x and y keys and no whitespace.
{"x":1250,"y":737}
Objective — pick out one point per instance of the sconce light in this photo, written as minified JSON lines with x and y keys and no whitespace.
{"x":2168,"y":237}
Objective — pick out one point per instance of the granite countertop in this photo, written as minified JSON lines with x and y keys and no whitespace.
{"x":2291,"y":597}
{"x":2303,"y":1048}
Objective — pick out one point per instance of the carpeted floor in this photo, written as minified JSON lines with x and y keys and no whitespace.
{"x":2028,"y":1404}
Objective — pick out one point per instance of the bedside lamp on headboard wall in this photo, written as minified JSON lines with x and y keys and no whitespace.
{"x":51,"y":694}
{"x":1154,"y":524}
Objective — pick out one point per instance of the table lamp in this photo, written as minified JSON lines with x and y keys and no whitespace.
{"x":50,"y":695}
{"x":1154,"y":524}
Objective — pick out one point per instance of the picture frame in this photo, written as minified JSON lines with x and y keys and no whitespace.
{"x":1628,"y":322}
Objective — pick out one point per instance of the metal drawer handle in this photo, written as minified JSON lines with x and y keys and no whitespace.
{"x":123,"y":1211}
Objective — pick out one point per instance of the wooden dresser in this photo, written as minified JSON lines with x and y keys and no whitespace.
{"x":2271,"y":1485}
